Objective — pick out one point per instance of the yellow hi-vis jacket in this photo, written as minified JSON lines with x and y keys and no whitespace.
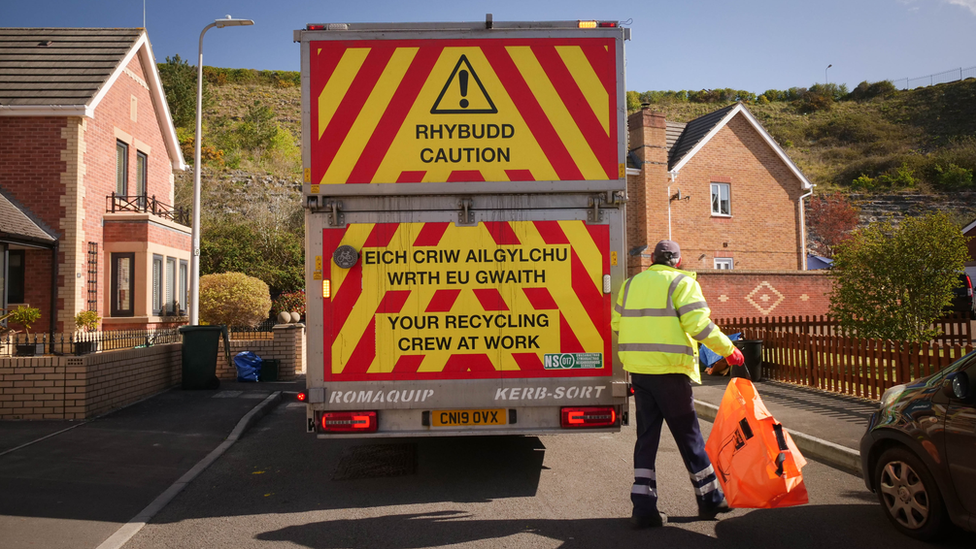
{"x":658,"y":316}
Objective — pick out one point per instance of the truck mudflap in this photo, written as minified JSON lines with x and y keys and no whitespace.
{"x":440,"y":301}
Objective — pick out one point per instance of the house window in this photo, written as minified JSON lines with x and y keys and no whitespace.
{"x":183,"y":298}
{"x":721,"y":203}
{"x":121,"y":168}
{"x":724,"y":263}
{"x":123,"y":284}
{"x":15,"y":273}
{"x":170,"y":285}
{"x":157,"y":285}
{"x":142,"y":161}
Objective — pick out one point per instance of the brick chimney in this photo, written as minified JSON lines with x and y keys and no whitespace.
{"x":647,"y":206}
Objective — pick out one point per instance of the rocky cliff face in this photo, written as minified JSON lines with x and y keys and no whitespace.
{"x":258,"y":197}
{"x":960,"y":206}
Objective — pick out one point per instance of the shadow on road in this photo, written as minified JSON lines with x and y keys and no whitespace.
{"x":809,"y":527}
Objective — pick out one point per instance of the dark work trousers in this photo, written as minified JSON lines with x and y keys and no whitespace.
{"x":661,"y":398}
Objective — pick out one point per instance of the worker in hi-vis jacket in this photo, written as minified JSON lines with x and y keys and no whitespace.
{"x":660,"y":316}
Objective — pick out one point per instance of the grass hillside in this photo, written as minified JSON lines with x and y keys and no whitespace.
{"x":922,"y":140}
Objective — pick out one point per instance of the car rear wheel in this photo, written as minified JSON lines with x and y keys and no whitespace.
{"x":909,"y":495}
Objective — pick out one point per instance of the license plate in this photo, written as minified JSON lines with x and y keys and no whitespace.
{"x":456,"y":418}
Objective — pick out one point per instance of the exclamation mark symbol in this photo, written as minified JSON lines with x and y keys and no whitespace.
{"x":463,"y":81}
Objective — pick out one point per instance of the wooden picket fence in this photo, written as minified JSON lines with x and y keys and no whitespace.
{"x":955,"y":328}
{"x":848,"y":365}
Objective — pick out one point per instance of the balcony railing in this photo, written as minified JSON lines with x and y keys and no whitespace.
{"x":147,"y":204}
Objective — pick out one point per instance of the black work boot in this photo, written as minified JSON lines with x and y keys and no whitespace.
{"x":710,"y":512}
{"x":648,"y":521}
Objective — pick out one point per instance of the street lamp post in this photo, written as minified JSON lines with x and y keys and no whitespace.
{"x":826,"y":82}
{"x":195,"y":257}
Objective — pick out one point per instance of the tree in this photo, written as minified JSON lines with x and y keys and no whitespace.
{"x":831,"y":220}
{"x":180,"y":83}
{"x":274,"y":256}
{"x":894,"y":282}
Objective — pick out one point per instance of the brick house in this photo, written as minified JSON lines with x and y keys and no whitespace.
{"x":87,"y":158}
{"x":720,"y":186}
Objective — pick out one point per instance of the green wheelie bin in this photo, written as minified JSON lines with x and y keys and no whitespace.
{"x":200,"y":346}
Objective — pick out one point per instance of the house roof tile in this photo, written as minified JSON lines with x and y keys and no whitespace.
{"x":59,"y":66}
{"x":17,"y":223}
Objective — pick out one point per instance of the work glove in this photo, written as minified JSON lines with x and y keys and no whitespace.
{"x":736,"y":358}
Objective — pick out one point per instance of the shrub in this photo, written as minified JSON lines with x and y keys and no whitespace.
{"x":901,"y":178}
{"x":863,"y":183}
{"x":832,"y":218}
{"x":234,"y":299}
{"x":291,"y":302}
{"x":954,"y":177}
{"x":865,"y":91}
{"x":258,"y":127}
{"x":87,"y":320}
{"x":26,"y":317}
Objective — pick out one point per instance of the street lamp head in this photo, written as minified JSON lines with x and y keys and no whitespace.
{"x":231,"y":22}
{"x":828,"y":66}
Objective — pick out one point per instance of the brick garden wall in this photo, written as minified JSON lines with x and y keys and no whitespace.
{"x":287,"y":347}
{"x":761,"y":294}
{"x":63,"y":387}
{"x":69,"y":387}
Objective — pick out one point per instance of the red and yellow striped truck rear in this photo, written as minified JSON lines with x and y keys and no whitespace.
{"x":465,"y":190}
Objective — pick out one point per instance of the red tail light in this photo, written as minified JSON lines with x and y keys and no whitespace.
{"x":349,"y":422}
{"x":302,"y":396}
{"x":969,"y":284}
{"x":588,"y":416}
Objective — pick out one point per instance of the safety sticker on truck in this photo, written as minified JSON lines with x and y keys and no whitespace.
{"x":441,"y":301}
{"x":436,"y":111}
{"x":569,"y":361}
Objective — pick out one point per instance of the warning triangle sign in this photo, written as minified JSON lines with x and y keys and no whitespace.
{"x":463,"y":93}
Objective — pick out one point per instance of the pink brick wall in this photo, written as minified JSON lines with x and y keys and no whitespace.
{"x":760,"y":294}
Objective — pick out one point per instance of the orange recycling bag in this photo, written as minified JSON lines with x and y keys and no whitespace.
{"x":755,"y":459}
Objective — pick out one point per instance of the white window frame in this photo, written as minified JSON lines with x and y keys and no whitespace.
{"x":717,"y":189}
{"x":157,"y":285}
{"x":724,"y":263}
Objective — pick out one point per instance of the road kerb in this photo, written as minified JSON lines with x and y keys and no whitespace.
{"x":831,"y":453}
{"x":131,"y":528}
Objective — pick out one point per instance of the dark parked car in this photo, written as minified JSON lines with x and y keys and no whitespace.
{"x":962,"y":297}
{"x":919,"y":452}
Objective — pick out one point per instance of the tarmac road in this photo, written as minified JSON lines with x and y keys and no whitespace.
{"x":275,"y":488}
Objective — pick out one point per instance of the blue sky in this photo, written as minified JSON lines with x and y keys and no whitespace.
{"x":752,"y":45}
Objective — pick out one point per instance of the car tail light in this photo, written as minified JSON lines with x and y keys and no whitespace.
{"x":588,"y":416}
{"x":969,"y":285}
{"x":349,"y":422}
{"x":302,"y":397}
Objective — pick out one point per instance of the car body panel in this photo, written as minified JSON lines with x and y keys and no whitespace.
{"x":936,"y":429}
